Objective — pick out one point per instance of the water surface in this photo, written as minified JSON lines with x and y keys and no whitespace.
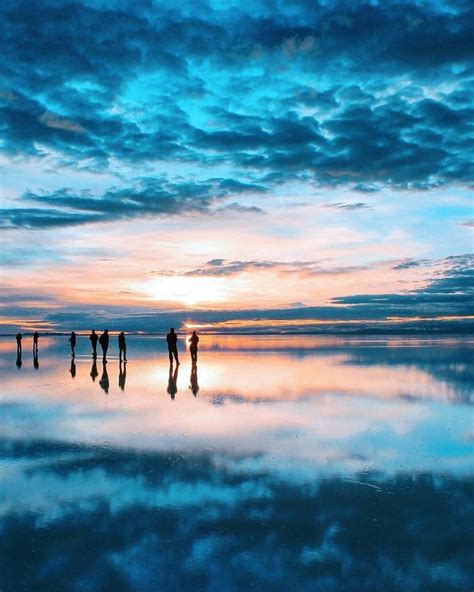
{"x":278,"y":462}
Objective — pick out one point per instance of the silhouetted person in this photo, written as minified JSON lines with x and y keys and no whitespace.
{"x":104,"y":343}
{"x":193,"y":380}
{"x":35,"y":342}
{"x":35,"y":359}
{"x":172,"y":341}
{"x":94,"y":338}
{"x":19,"y":363}
{"x":94,"y":373}
{"x":104,"y":379}
{"x":19,"y":350}
{"x":122,"y":346}
{"x":72,"y":369}
{"x":72,"y":341}
{"x":193,"y":346}
{"x":122,"y":374}
{"x":173,"y":381}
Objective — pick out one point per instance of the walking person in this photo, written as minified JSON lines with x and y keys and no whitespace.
{"x":72,"y":341}
{"x":104,"y":343}
{"x":122,"y":346}
{"x":35,"y":344}
{"x":172,"y":341}
{"x":193,"y":347}
{"x":94,"y":338}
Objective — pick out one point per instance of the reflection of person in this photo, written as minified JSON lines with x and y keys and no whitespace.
{"x":172,"y":341}
{"x":93,"y":338}
{"x":122,"y":346}
{"x":72,"y":369}
{"x":19,"y":337}
{"x":19,"y":363}
{"x":104,"y":379}
{"x":35,"y":343}
{"x":35,"y":359}
{"x":173,"y":381}
{"x":94,"y":373}
{"x":193,"y":380}
{"x":72,"y":341}
{"x":193,"y":346}
{"x":104,"y":343}
{"x":122,"y":374}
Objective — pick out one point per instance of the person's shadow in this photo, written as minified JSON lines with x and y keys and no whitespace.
{"x":193,"y":379}
{"x":173,"y":381}
{"x":94,"y":372}
{"x":72,"y":369}
{"x":19,"y":362}
{"x":35,"y":359}
{"x":104,"y":379}
{"x":122,"y":375}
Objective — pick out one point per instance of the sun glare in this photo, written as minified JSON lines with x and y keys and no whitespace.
{"x":188,"y":291}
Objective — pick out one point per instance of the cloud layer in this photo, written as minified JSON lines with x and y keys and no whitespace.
{"x":339,"y":95}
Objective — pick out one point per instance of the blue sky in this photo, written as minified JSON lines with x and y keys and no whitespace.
{"x":316,"y":151}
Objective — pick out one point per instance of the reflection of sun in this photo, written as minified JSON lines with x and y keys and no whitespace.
{"x":187,"y":290}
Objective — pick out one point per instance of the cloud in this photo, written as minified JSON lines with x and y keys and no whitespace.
{"x":149,"y":197}
{"x":469,"y":222}
{"x":358,"y":105}
{"x":223,"y":267}
{"x":452,"y":292}
{"x":340,"y":205}
{"x":113,"y":524}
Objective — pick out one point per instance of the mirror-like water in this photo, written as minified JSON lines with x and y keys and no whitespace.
{"x":276,"y":462}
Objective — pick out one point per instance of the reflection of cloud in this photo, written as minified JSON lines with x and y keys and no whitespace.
{"x":312,"y":407}
{"x":132,"y":519}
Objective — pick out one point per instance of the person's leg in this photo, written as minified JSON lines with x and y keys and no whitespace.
{"x":170,"y":354}
{"x":175,"y":352}
{"x":125,"y":355}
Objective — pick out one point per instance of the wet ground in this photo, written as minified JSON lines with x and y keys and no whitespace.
{"x":275,"y":463}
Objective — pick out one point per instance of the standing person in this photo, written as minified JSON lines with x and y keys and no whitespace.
{"x":172,"y":341}
{"x":19,"y":337}
{"x":122,"y":346}
{"x":72,"y":341}
{"x":35,"y":343}
{"x":93,"y":338}
{"x":193,"y":347}
{"x":104,"y":343}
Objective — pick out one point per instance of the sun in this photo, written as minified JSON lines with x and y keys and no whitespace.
{"x":188,"y":291}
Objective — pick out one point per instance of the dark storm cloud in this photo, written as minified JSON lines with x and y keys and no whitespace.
{"x":138,"y":82}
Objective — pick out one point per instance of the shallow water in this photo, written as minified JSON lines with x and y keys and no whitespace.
{"x":277,"y":463}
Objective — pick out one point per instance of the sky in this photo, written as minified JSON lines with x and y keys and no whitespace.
{"x":257,"y":166}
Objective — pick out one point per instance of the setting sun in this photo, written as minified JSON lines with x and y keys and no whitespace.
{"x":187,"y":291}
